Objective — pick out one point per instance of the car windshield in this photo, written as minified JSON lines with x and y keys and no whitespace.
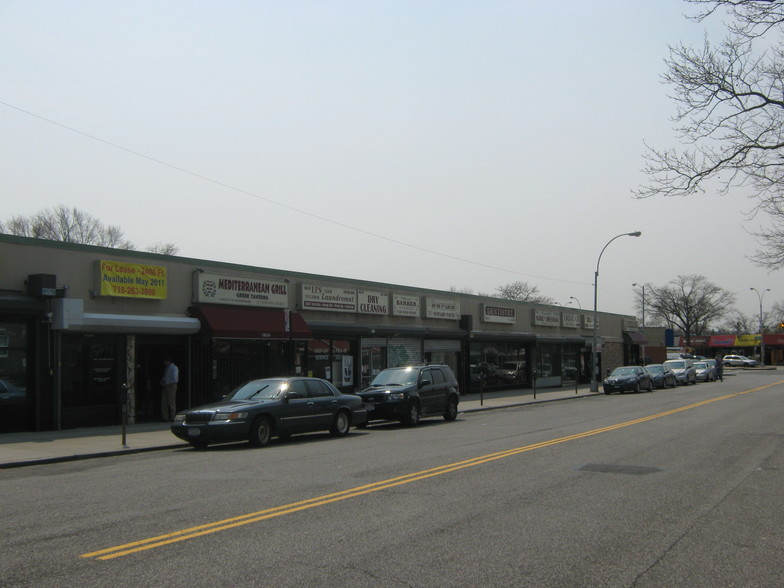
{"x":509,"y":365}
{"x":624,"y":371}
{"x":655,"y":368}
{"x":258,"y":389}
{"x":396,"y":377}
{"x":678,"y":365}
{"x":701,"y":365}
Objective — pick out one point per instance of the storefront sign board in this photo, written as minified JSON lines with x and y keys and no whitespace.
{"x":499,"y":314}
{"x":442,"y":308}
{"x":220,"y":289}
{"x":328,"y":298}
{"x":130,"y":280}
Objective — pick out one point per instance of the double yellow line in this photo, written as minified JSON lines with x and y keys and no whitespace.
{"x":254,"y":517}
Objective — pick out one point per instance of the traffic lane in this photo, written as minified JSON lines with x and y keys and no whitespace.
{"x":393,"y":519}
{"x":610,"y":542}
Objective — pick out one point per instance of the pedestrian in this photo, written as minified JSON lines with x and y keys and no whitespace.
{"x":719,"y":368}
{"x":171,"y":375}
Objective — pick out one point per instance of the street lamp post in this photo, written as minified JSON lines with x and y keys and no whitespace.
{"x":643,"y":316}
{"x":594,"y":355}
{"x":762,"y":334}
{"x":577,"y":301}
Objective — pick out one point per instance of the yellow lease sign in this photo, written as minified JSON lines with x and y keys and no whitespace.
{"x":131,"y":280}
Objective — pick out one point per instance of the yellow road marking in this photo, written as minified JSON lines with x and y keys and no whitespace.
{"x":208,"y":528}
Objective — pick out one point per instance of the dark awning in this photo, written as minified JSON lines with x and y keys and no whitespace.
{"x":634,"y":338}
{"x":246,"y":323}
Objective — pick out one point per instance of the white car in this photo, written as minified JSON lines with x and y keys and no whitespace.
{"x":739,"y":361}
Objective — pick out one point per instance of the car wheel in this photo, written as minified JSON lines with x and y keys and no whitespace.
{"x":411,"y":417}
{"x":341,"y":424}
{"x":637,"y":388}
{"x":650,"y":385}
{"x":451,"y":409}
{"x":260,"y":432}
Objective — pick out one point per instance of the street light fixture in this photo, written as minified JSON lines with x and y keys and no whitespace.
{"x":594,"y":355}
{"x":577,"y":301}
{"x":762,"y":334}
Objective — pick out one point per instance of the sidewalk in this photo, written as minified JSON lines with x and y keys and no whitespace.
{"x":24,"y":449}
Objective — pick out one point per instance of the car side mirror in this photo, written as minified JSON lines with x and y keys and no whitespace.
{"x":424,"y":383}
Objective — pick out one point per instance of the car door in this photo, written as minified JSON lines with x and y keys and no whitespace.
{"x":297,"y":410}
{"x":325,"y":404}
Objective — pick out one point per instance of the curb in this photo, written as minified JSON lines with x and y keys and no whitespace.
{"x":82,"y":456}
{"x":543,"y":401}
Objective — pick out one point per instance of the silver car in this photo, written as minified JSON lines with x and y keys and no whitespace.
{"x":705,"y":371}
{"x":685,"y":372}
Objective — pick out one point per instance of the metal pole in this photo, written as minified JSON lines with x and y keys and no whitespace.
{"x":761,"y":328}
{"x":595,"y":356}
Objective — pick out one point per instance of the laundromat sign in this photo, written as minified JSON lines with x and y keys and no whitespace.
{"x":130,"y":280}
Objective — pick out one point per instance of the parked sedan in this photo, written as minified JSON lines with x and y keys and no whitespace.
{"x":705,"y":371}
{"x":631,"y":378}
{"x":739,"y":361}
{"x":260,"y":409}
{"x":661,"y":375}
{"x":684,"y":370}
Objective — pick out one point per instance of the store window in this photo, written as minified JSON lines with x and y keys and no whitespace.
{"x":13,"y":362}
{"x":332,"y":360}
{"x":499,"y":365}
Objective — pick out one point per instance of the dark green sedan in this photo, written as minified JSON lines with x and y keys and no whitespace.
{"x":258,"y":410}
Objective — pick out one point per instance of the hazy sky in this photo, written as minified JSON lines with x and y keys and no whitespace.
{"x":431,"y":144}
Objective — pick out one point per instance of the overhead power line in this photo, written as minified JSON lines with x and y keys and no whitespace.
{"x":281,"y":204}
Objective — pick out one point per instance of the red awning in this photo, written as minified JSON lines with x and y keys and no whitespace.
{"x":245,"y":323}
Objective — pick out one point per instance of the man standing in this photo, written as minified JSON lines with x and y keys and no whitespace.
{"x":171,"y":375}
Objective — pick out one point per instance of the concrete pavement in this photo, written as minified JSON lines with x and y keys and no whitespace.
{"x":25,"y":449}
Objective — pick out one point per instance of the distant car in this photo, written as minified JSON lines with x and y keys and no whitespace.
{"x":705,"y":372}
{"x":410,"y":392}
{"x":662,"y":375}
{"x":513,"y":371}
{"x":632,"y":378}
{"x":685,"y":373}
{"x":739,"y":361}
{"x":260,"y":409}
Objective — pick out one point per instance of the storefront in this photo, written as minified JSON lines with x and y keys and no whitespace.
{"x":69,"y":352}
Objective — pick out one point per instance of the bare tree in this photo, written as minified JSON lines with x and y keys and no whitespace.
{"x":730,"y":116}
{"x":522,"y":292}
{"x":163,"y":248}
{"x":72,"y":225}
{"x":689,"y":303}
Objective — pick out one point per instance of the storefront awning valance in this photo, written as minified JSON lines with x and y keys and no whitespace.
{"x":561,"y":339}
{"x":523,"y":337}
{"x":245,"y":323}
{"x":634,"y":338}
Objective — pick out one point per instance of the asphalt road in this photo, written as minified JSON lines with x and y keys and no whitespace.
{"x":679,"y":487}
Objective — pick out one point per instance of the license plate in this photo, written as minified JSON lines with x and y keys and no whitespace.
{"x":194,"y":432}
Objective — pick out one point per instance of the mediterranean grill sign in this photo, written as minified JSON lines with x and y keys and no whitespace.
{"x":219,"y":289}
{"x":130,"y":280}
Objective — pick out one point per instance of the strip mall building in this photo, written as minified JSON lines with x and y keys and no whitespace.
{"x":79,"y":325}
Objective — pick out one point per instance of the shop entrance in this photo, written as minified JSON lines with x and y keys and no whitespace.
{"x":374,"y":359}
{"x":150,"y":353}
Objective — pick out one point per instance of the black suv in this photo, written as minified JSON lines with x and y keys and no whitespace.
{"x":408,"y":393}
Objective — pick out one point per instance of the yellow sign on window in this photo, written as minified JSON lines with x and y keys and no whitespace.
{"x":131,"y":280}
